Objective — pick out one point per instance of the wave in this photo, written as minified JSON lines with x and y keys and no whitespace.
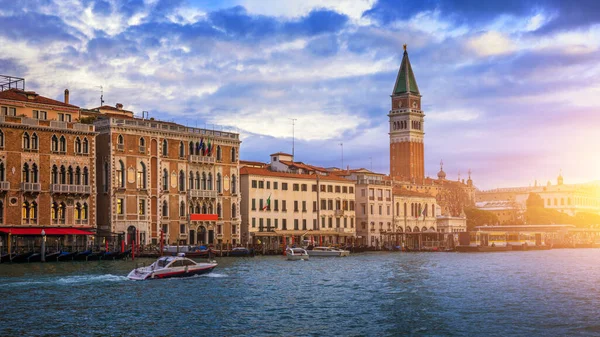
{"x":91,"y":279}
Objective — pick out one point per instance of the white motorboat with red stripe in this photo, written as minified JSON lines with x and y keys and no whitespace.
{"x":172,"y":266}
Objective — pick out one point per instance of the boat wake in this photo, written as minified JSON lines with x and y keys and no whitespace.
{"x":91,"y":279}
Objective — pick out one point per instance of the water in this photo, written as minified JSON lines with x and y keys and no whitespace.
{"x":373,"y":294}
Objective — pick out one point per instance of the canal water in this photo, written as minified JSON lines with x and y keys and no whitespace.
{"x":534,"y":293}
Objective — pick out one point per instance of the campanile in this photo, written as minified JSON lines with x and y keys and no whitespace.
{"x":406,"y":127}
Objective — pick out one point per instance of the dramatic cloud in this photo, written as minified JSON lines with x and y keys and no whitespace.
{"x":506,"y":84}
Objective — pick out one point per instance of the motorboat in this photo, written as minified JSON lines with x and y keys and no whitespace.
{"x":327,"y":251}
{"x":171,"y":266}
{"x":295,"y":254}
{"x":241,"y":252}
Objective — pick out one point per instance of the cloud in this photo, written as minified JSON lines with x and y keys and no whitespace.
{"x":491,"y":44}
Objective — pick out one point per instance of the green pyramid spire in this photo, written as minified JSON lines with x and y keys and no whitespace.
{"x":405,"y":81}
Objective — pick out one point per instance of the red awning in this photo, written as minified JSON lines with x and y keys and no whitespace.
{"x":204,"y":217}
{"x":48,"y":231}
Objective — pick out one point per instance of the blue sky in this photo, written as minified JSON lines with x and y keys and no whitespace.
{"x":510,"y":88}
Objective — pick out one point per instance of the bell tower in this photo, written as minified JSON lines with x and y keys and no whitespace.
{"x":406,"y":127}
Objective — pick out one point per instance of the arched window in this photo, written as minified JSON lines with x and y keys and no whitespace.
{"x":165,"y":180}
{"x":25,"y":210}
{"x":77,"y":176}
{"x":233,"y":211}
{"x":34,"y":173}
{"x":205,"y":209}
{"x":3,"y":173}
{"x":192,"y":209}
{"x":181,"y":150}
{"x":86,"y":146}
{"x":121,"y":174}
{"x":191,"y":181}
{"x":219,"y":210}
{"x":233,"y":155}
{"x":233,"y":184}
{"x":197,"y":180}
{"x":62,"y":144}
{"x":405,"y":210}
{"x":54,"y":212}
{"x":203,"y":181}
{"x":210,"y":183}
{"x":191,"y":148}
{"x":77,"y":145}
{"x":165,"y":147}
{"x":25,"y":176}
{"x":210,"y":209}
{"x":165,"y":209}
{"x":1,"y":138}
{"x":86,"y":176}
{"x":142,"y":142}
{"x":219,"y":157}
{"x":26,"y":141}
{"x":120,"y":140}
{"x":78,"y":211}
{"x":84,"y":211}
{"x":54,"y":143}
{"x":70,"y":175}
{"x":181,"y":181}
{"x":63,"y":175}
{"x":141,"y":176}
{"x":33,"y":211}
{"x":62,"y":212}
{"x":34,"y":142}
{"x":182,"y":208}
{"x":218,"y":182}
{"x":54,"y":175}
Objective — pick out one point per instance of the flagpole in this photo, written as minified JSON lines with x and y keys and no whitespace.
{"x":293,"y":135}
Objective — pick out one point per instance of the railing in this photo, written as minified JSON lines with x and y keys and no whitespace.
{"x":30,"y":187}
{"x":142,"y":149}
{"x":339,"y":212}
{"x":74,"y":189}
{"x":120,"y":147}
{"x":81,"y":222}
{"x":201,"y":159}
{"x":155,"y":124}
{"x":202,"y":194}
{"x":374,"y":182}
{"x":4,"y":185}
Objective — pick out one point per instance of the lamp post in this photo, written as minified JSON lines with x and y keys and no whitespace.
{"x":43,"y":246}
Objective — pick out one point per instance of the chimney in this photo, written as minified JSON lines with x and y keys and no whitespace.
{"x":119,"y":106}
{"x":66,"y":96}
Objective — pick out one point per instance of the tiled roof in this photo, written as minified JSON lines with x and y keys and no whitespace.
{"x":404,"y":192}
{"x":252,"y":163}
{"x":21,"y":96}
{"x":303,"y":166}
{"x":281,"y":153}
{"x":267,"y":172}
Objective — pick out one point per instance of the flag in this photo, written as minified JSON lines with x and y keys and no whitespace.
{"x":423,"y":213}
{"x":268,"y":205}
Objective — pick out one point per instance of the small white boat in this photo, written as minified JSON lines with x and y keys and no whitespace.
{"x":328,"y":251}
{"x":295,"y":254}
{"x":171,"y":266}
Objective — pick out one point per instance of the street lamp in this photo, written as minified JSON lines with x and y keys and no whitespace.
{"x":43,"y":258}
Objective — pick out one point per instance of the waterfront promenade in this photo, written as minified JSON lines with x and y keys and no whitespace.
{"x":537,"y":293}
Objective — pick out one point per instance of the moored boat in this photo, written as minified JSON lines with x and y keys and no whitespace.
{"x":82,"y":256}
{"x":295,"y":254}
{"x":21,"y":257}
{"x":52,"y":257}
{"x":66,"y":256}
{"x":171,"y":266}
{"x":241,"y":252}
{"x":327,"y":251}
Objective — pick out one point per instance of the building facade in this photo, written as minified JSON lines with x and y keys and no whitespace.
{"x":165,"y":180}
{"x":47,"y":171}
{"x":293,"y":201}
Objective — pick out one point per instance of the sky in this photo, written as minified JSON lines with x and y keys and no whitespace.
{"x":511,"y":89}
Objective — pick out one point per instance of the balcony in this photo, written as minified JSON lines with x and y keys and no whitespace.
{"x":70,"y":189}
{"x":201,"y":159}
{"x":339,"y":212}
{"x":31,"y":187}
{"x":142,"y":149}
{"x":202,"y":194}
{"x":4,"y":185}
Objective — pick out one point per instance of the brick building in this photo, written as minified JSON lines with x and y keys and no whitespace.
{"x":159,"y":179}
{"x":47,"y":170}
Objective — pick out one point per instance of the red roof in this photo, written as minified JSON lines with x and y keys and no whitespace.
{"x":252,"y":163}
{"x":303,"y":166}
{"x":266,"y":172}
{"x":48,"y":231}
{"x":22,"y":96}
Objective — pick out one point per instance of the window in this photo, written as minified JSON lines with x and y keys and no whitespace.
{"x":86,"y":146}
{"x":303,"y":224}
{"x":4,"y":111}
{"x":314,"y":206}
{"x":295,"y":205}
{"x":141,"y":176}
{"x":337,"y":189}
{"x":165,"y":146}
{"x":1,"y":138}
{"x":77,"y":176}
{"x":120,"y":209}
{"x":181,"y":150}
{"x":191,"y":180}
{"x":54,"y":144}
{"x":345,"y":189}
{"x":284,"y":186}
{"x":283,"y":206}
{"x":296,"y":224}
{"x":268,"y":185}
{"x":253,"y":222}
{"x":165,"y":180}
{"x":78,"y":147}
{"x":296,"y":187}
{"x":284,"y":224}
{"x":351,"y":189}
{"x":303,"y":206}
{"x":182,"y":208}
{"x":165,"y":209}
{"x":203,"y":181}
{"x":12,"y":111}
{"x":330,"y":223}
{"x":182,"y":228}
{"x":219,"y":211}
{"x":219,"y":155}
{"x":233,"y":211}
{"x":254,"y":184}
{"x":219,"y":183}
{"x":210,"y":181}
{"x":181,"y":181}
{"x":275,"y":185}
{"x":141,"y":207}
{"x":323,"y":204}
{"x":120,"y":174}
{"x":197,"y":180}
{"x":276,"y":205}
{"x":330,"y":205}
{"x":25,"y":175}
{"x":233,"y":155}
{"x":261,"y":184}
{"x":26,"y":141}
{"x":330,"y":188}
{"x":233,"y":184}
{"x":62,"y":144}
{"x":304,"y":187}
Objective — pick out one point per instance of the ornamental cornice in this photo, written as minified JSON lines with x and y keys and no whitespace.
{"x":47,"y":129}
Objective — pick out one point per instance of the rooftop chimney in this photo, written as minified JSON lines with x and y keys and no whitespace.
{"x":66,"y":96}
{"x":119,"y":106}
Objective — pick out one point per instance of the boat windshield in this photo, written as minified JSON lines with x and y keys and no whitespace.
{"x":163,"y":262}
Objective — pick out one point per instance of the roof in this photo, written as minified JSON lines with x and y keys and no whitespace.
{"x":281,"y":153}
{"x":252,"y":163}
{"x":23,"y":96}
{"x":266,"y":172}
{"x":303,"y":166}
{"x":399,"y":191}
{"x":405,"y":81}
{"x":111,"y":108}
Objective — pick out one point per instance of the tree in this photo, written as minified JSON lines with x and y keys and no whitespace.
{"x":477,"y":217}
{"x":534,"y":200}
{"x":452,"y":198}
